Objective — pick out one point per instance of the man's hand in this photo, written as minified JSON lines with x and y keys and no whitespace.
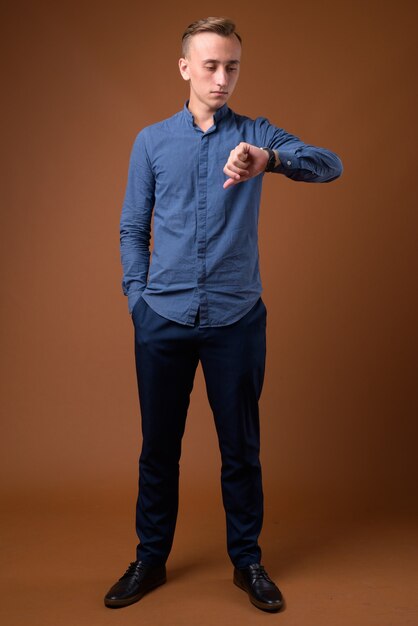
{"x":245,"y":162}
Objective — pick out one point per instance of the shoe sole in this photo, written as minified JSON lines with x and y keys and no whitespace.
{"x":117,"y":604}
{"x":260,"y":605}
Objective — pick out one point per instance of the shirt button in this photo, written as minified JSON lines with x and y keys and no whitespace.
{"x":289,"y":162}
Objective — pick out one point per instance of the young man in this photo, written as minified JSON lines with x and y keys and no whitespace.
{"x":201,"y":173}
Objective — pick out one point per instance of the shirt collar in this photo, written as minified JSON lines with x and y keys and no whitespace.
{"x":219,"y":114}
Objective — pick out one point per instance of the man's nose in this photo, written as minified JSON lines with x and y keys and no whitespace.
{"x":221,"y":77}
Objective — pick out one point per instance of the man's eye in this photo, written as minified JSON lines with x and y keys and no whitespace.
{"x":232,"y":69}
{"x":210,"y":67}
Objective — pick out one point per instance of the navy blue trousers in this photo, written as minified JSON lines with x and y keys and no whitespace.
{"x":233,"y":362}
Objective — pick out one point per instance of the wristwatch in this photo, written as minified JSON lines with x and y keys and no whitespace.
{"x":271,"y":163}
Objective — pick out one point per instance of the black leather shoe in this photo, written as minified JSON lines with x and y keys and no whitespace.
{"x":138,"y":579}
{"x":261,"y":590}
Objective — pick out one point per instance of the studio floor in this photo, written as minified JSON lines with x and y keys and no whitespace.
{"x":61,"y":554}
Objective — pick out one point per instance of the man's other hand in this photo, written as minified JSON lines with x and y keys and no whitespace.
{"x":245,"y":162}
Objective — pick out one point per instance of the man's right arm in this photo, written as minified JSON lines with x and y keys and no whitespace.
{"x":135,"y":222}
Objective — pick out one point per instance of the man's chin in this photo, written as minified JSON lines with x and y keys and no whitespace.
{"x":218,"y":100}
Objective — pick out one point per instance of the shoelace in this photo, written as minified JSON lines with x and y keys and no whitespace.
{"x":259,"y":573}
{"x":133,"y":568}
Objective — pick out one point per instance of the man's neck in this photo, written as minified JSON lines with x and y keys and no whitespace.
{"x":202,"y":116}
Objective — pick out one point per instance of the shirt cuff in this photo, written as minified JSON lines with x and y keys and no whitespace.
{"x":133,"y":299}
{"x":288,"y":160}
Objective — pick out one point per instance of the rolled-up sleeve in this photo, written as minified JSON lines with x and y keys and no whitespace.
{"x":135,"y":222}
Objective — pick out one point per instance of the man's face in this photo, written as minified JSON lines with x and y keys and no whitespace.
{"x":212,"y":67}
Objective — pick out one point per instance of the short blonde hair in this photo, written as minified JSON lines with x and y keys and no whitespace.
{"x":220,"y":25}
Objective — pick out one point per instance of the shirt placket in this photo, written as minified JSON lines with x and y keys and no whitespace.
{"x":201,"y":226}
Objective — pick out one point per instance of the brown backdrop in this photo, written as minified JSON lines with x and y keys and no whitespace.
{"x":338,"y":261}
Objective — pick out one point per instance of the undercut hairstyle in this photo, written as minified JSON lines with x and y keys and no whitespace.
{"x":219,"y":25}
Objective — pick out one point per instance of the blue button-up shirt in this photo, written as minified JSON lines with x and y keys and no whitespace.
{"x":205,"y":252}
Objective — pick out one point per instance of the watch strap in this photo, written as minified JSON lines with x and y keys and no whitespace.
{"x":271,"y":163}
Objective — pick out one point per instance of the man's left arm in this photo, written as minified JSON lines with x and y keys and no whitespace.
{"x":301,"y":161}
{"x":282,"y":153}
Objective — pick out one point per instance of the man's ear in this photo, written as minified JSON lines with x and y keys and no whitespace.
{"x":184,"y":68}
